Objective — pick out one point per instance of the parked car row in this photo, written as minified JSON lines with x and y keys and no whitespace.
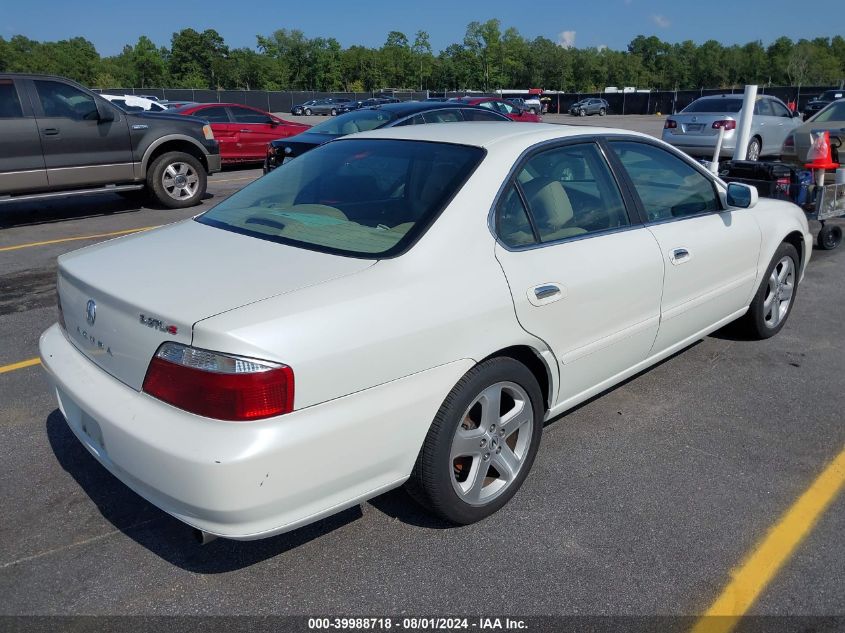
{"x":376,"y":117}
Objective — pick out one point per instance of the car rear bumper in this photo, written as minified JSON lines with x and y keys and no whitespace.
{"x":705,"y":146}
{"x":248,"y":480}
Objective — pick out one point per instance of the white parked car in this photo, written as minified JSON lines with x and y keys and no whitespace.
{"x":132,"y":103}
{"x":407,"y":305}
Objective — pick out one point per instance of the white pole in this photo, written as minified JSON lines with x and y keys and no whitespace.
{"x":714,"y":166}
{"x":744,"y":131}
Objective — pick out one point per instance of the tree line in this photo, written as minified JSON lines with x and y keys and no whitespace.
{"x":488,"y":58}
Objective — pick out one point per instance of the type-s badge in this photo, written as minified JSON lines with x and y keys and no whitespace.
{"x":158,"y":324}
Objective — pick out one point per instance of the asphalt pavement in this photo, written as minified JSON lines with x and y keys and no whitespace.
{"x":643,"y":501}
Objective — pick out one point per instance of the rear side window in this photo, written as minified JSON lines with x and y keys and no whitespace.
{"x":473,"y":114}
{"x":213,"y":115}
{"x":61,"y":100}
{"x":570,"y":191}
{"x":359,"y":197}
{"x":764,"y":108}
{"x":512,"y":224}
{"x":668,"y":186}
{"x":10,"y":105}
{"x":245,"y":115}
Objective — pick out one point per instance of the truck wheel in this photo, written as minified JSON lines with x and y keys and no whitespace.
{"x":177,"y":180}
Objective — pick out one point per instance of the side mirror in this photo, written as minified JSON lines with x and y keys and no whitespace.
{"x":795,"y":114}
{"x":742,"y":195}
{"x":104,"y":113}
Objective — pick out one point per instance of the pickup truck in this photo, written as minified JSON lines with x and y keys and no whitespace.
{"x":58,"y":139}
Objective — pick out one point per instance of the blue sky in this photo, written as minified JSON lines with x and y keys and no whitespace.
{"x":613,"y":23}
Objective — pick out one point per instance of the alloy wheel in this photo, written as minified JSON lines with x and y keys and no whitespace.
{"x":781,"y":287}
{"x":491,"y":443}
{"x":180,"y":181}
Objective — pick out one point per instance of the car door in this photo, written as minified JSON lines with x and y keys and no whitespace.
{"x":225,"y":130}
{"x":784,"y":122}
{"x":584,"y":276}
{"x":709,"y":252}
{"x":79,"y":148}
{"x":21,"y":160}
{"x":766,"y":125}
{"x":255,"y":130}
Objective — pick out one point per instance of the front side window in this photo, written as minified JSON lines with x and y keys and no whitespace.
{"x":475,"y":114}
{"x":570,"y":191}
{"x":780,"y":109}
{"x":764,"y":108}
{"x":245,"y":115}
{"x":668,"y":186}
{"x":61,"y":100}
{"x":10,"y":105}
{"x":365,"y":198}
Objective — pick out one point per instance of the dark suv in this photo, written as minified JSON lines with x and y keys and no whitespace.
{"x":58,"y":139}
{"x":589,"y":106}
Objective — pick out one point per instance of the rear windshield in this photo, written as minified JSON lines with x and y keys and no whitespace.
{"x":834,"y":112}
{"x":715,"y":104}
{"x":355,"y":121}
{"x":363,"y":198}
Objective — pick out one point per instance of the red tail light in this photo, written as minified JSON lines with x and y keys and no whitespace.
{"x":219,"y":386}
{"x":670,"y":124}
{"x":728,"y":124}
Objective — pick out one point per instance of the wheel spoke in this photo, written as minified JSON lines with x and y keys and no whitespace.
{"x":477,"y":476}
{"x":786,"y":292}
{"x":506,"y":463}
{"x":191,"y":178}
{"x":775,"y":318}
{"x":467,"y":443}
{"x":785,"y":270}
{"x":773,"y":280}
{"x":171,"y":171}
{"x":491,"y":403}
{"x":514,"y":419}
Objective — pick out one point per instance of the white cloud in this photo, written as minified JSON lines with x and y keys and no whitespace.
{"x":566,"y":39}
{"x":661,"y":20}
{"x":601,"y":47}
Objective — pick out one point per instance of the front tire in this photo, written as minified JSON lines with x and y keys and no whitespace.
{"x":773,"y":302}
{"x":582,"y":113}
{"x":177,"y":180}
{"x":307,"y":111}
{"x":482,"y":443}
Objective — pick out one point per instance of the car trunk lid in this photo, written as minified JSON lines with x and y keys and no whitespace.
{"x":700,"y":124}
{"x":122,"y":299}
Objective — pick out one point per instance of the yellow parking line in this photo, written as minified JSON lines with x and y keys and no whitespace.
{"x":762,"y":565}
{"x":21,"y":365}
{"x":71,"y":239}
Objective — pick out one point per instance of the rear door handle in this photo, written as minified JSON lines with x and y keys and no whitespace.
{"x":50,"y":131}
{"x":245,"y":130}
{"x":679,"y":256}
{"x":546,"y":293}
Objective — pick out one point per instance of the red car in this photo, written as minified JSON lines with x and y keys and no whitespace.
{"x":242,"y":131}
{"x":500,"y":105}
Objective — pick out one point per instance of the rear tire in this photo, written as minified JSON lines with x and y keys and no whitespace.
{"x":753,"y":151}
{"x":775,"y":297}
{"x":334,"y":112}
{"x":177,"y":180}
{"x":481,"y":444}
{"x":307,"y":111}
{"x":602,"y":112}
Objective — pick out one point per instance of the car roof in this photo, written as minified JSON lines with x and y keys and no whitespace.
{"x":483,"y":134}
{"x":404,"y":108}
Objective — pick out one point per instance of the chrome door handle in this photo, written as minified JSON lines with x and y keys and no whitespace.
{"x":679,"y":256}
{"x":245,"y":130}
{"x":544,"y":292}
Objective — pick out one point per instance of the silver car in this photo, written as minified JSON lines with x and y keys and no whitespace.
{"x":832,"y":119}
{"x":695,"y":129}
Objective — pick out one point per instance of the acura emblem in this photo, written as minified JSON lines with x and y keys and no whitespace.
{"x":91,"y":311}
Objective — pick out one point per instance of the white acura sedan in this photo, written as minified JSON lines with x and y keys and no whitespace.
{"x":405,"y":306}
